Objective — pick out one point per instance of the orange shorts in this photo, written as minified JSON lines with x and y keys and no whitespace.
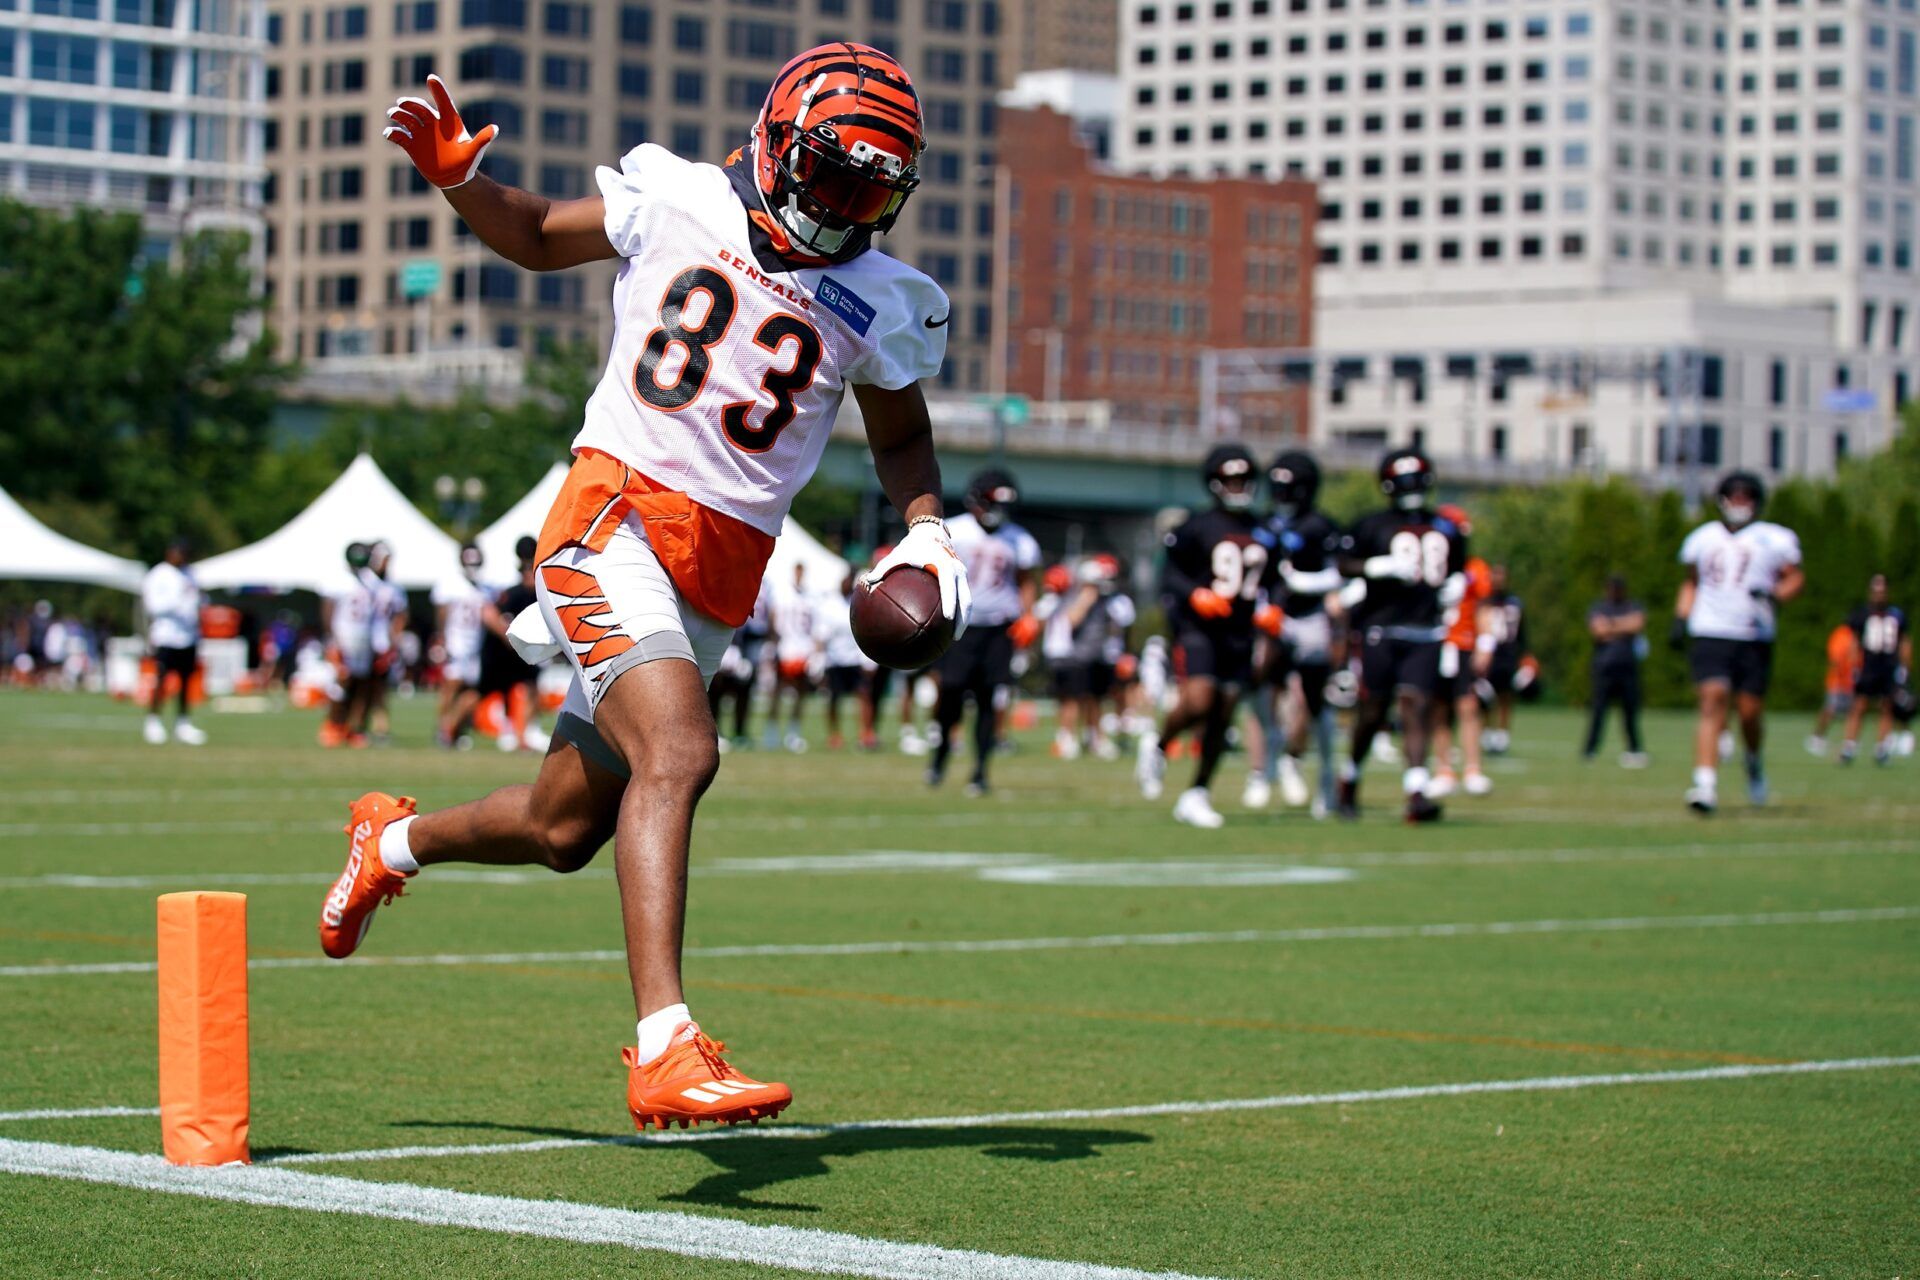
{"x":716,"y":562}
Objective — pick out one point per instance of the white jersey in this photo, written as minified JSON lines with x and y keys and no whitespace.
{"x":171,"y":599}
{"x":836,"y":630}
{"x":350,"y":625}
{"x":726,"y":372}
{"x":1056,"y":635}
{"x":994,"y":564}
{"x":796,"y":624}
{"x":388,"y":603}
{"x":465,"y":623}
{"x":1732,"y":565}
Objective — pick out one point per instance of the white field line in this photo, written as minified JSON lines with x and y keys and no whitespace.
{"x":1000,"y":865}
{"x":1327,"y":933}
{"x":78,"y":1113}
{"x":1403,"y":1093}
{"x":684,"y":1234}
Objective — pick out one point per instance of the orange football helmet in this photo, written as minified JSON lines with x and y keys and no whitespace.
{"x":836,"y":149}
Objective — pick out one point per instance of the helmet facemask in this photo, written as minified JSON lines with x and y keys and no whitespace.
{"x":829,"y":198}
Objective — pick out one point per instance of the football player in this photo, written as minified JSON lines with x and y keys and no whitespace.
{"x":1217,"y":566}
{"x":462,"y":607}
{"x":796,"y":652}
{"x":1002,"y":562}
{"x":1465,"y":660}
{"x":1886,"y":651}
{"x":1407,"y":566}
{"x":1305,"y":540}
{"x":1503,"y":629}
{"x":346,"y":615}
{"x":749,"y":300}
{"x":1843,"y":667}
{"x":1739,"y":568}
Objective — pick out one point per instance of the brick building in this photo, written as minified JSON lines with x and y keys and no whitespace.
{"x":1116,"y":284}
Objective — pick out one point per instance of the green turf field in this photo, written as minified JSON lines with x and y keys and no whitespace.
{"x":1577,"y":924}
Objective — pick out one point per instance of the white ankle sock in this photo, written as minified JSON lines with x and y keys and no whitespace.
{"x":657,"y":1028}
{"x":395,"y":852}
{"x":1706,"y":779}
{"x":1415,"y":781}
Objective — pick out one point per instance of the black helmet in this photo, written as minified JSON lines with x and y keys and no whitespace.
{"x":1229,"y":476}
{"x":359,"y":555}
{"x":989,"y":494}
{"x":1295,"y":480}
{"x":1741,"y":495}
{"x":1406,"y":477}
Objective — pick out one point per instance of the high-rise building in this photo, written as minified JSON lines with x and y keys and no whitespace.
{"x":152,"y":106}
{"x":1065,"y":35}
{"x":367,"y":260}
{"x":1681,"y":232}
{"x":1117,"y":283}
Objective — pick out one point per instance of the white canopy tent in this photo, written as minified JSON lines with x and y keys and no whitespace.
{"x":522,"y":520}
{"x":308,"y":553}
{"x":796,"y":546}
{"x":30,"y":550}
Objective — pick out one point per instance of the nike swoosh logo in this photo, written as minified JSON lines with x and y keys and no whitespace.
{"x":931,"y":323}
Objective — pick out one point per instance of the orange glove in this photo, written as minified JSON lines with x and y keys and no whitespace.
{"x":1209,"y":603}
{"x":432,"y":135}
{"x":1269,"y":619}
{"x":1024,"y":631}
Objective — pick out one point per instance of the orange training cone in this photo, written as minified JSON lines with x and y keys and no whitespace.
{"x":203,"y":1027}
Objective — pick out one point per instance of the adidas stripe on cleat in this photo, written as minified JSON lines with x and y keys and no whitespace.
{"x":691,"y":1083}
{"x":365,"y":884}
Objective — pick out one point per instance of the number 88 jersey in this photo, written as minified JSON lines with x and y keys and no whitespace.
{"x":1432,"y":546}
{"x":728,"y":366}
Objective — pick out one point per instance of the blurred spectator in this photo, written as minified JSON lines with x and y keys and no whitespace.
{"x":1618,"y":626}
{"x":171,"y":599}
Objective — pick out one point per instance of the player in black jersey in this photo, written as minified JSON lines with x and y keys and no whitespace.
{"x":1886,"y":651}
{"x":1216,"y":568}
{"x":1409,"y":564}
{"x":1509,"y":673}
{"x":1300,"y":660}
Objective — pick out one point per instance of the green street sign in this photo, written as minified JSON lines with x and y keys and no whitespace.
{"x":420,"y":277}
{"x":1015,"y":410}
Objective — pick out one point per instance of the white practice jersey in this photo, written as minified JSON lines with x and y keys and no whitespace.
{"x":994,"y":564}
{"x":796,"y":623}
{"x":836,"y":630}
{"x":389,"y":602}
{"x":1737,"y":570}
{"x":464,"y":623}
{"x":351,"y":623}
{"x":726,"y":373}
{"x":171,"y":599}
{"x":1056,"y":635}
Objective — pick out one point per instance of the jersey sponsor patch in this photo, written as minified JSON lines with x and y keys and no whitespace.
{"x":845,"y":303}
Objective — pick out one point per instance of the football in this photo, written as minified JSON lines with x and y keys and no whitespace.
{"x":897,"y":621}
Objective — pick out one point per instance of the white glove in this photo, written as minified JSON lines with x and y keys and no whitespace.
{"x":1393,"y":567}
{"x":927,"y":546}
{"x":1453,"y":590}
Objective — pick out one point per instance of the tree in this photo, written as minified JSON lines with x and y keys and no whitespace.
{"x":142,"y":387}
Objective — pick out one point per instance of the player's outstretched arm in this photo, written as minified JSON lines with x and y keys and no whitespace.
{"x":526,"y":229}
{"x":900,"y":435}
{"x":1792,"y":580}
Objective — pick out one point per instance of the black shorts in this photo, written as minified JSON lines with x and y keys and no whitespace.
{"x":1876,"y":680}
{"x":982,"y":658}
{"x":1504,"y":669}
{"x":1744,"y":665}
{"x":842,"y":681}
{"x":174,"y":662}
{"x":504,"y":673}
{"x":1223,"y":657}
{"x":1388,"y":663}
{"x":1071,"y":679}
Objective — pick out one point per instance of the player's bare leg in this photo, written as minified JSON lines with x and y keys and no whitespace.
{"x":1417,"y":714}
{"x":655,"y":716}
{"x":1473,"y":769}
{"x":560,"y":822}
{"x":1716,"y":696}
{"x":1850,"y":737}
{"x":1752,"y":709}
{"x":1195,"y":806}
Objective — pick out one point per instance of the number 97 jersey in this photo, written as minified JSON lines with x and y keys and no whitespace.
{"x":728,"y":365}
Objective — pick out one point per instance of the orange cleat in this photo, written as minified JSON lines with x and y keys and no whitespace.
{"x":366,"y":883}
{"x":691,"y":1082}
